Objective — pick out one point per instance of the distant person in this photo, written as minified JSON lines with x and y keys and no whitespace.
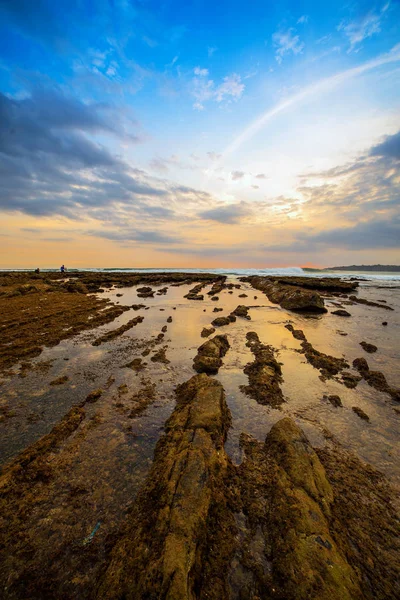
{"x":37,"y":270}
{"x":62,"y":269}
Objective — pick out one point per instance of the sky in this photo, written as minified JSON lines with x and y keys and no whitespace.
{"x":199,"y":134}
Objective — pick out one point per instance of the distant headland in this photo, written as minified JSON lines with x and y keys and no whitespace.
{"x":390,"y":268}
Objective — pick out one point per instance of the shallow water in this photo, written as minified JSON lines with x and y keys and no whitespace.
{"x":36,"y":406}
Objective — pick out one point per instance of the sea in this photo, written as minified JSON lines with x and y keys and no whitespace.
{"x":385,"y":277}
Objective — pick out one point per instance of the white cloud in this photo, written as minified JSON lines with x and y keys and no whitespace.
{"x":201,"y":72}
{"x":173,"y":61}
{"x":363,"y":28}
{"x":211,"y":50}
{"x":286,"y":42}
{"x":303,"y":19}
{"x":232,"y":86}
{"x":204,"y":89}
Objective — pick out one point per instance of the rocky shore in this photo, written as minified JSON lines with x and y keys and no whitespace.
{"x":143,"y":461}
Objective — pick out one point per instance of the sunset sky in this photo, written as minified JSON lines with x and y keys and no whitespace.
{"x":199,"y":134}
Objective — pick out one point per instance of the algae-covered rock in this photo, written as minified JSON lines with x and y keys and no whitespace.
{"x":289,"y":296}
{"x":328,"y":365}
{"x":209,"y":355}
{"x":206,"y":332}
{"x":161,"y":553}
{"x":264,"y":373}
{"x":241,"y":311}
{"x":287,"y":498}
{"x":370,"y":348}
{"x":221,"y":321}
{"x":359,"y":411}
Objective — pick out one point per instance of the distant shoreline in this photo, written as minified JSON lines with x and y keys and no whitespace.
{"x":381,"y":268}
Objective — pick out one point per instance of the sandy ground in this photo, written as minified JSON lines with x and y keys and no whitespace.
{"x":88,"y":389}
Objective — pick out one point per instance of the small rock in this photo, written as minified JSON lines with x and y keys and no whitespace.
{"x":370,"y":348}
{"x":334,"y":400}
{"x":221,"y":321}
{"x":93,"y":396}
{"x":384,"y":323}
{"x":360,"y":364}
{"x":169,"y":320}
{"x":350,"y":380}
{"x":207,"y":331}
{"x":241,"y":311}
{"x":215,"y":298}
{"x":59,"y":380}
{"x":164,"y":328}
{"x":360,"y":413}
{"x":341,"y":313}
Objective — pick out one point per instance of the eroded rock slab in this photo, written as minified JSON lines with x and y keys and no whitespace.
{"x":221,"y":321}
{"x":264,"y":373}
{"x":111,"y":335}
{"x":288,"y":296}
{"x":209,"y":355}
{"x":328,"y":365}
{"x":241,"y":311}
{"x":288,"y":498}
{"x":161,"y":553}
{"x":375,"y":379}
{"x":369,"y":303}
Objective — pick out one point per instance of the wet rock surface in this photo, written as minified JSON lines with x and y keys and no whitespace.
{"x":241,"y":311}
{"x":341,"y":313}
{"x":370,"y":348}
{"x":359,"y":411}
{"x":368,"y":302}
{"x":328,"y":365}
{"x":207,"y":331}
{"x":160,"y":356}
{"x":209,"y":355}
{"x":291,"y":297}
{"x":162,"y":550}
{"x":323,"y":284}
{"x":334,"y":400}
{"x":264,"y":373}
{"x":221,"y":321}
{"x":375,"y":379}
{"x":145,"y":292}
{"x":111,"y":335}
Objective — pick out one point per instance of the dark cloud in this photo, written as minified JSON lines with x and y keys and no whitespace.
{"x":136,"y":235}
{"x":237,"y":175}
{"x":51,"y":165}
{"x":231,"y":213}
{"x":371,"y":235}
{"x":261,"y":176}
{"x":389,"y":148}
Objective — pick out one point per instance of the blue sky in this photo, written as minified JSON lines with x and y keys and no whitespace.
{"x":204,"y":134}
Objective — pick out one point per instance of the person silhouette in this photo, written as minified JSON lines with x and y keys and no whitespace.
{"x":62,"y":269}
